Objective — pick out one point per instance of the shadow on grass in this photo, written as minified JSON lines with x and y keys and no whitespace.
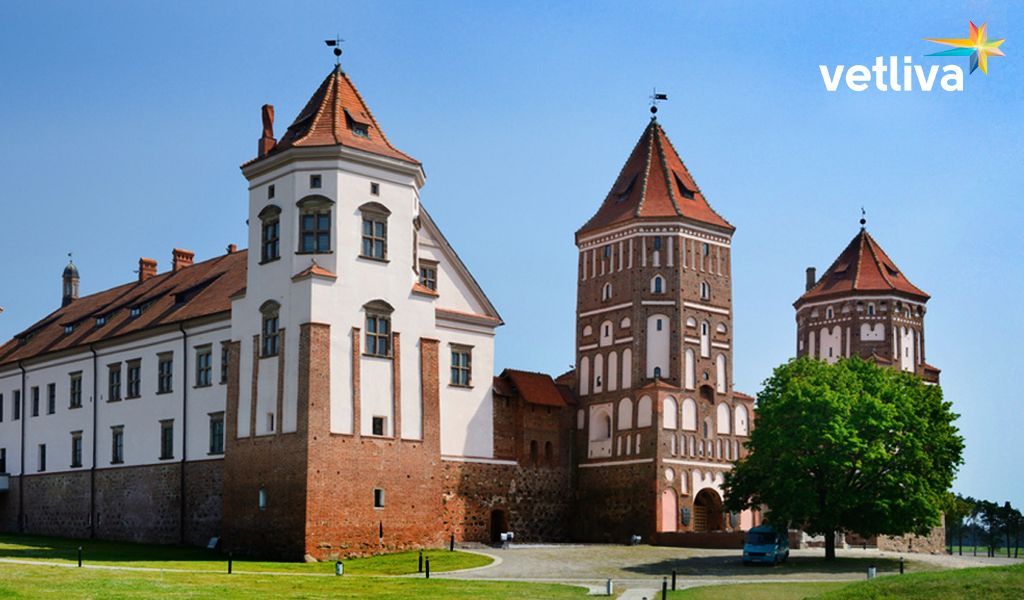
{"x":53,"y":548}
{"x":732,"y":566}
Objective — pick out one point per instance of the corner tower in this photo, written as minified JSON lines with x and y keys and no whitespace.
{"x":864,"y":305}
{"x":659,"y":421}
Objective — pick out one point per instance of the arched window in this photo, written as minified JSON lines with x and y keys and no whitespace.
{"x":613,"y":371}
{"x":606,"y":292}
{"x":723,"y":418}
{"x":270,"y":233}
{"x":705,"y":291}
{"x":378,"y":328}
{"x":707,"y":427}
{"x":598,"y":373}
{"x":607,"y":334}
{"x":828,"y":313}
{"x":689,"y":414}
{"x":740,"y":416}
{"x":627,"y":369}
{"x":871,"y":309}
{"x":689,"y":368}
{"x":643,"y":412}
{"x":669,"y":413}
{"x":625,"y":414}
{"x":705,"y":339}
{"x":270,"y":336}
{"x":375,"y":230}
{"x":314,"y":225}
{"x":720,"y":376}
{"x":658,"y":285}
{"x":584,"y":375}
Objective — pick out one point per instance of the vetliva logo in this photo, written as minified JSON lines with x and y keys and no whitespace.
{"x":891,"y":75}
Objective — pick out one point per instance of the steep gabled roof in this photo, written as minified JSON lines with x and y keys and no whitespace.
{"x":331,"y":118}
{"x":654,"y":183}
{"x":863,"y":267}
{"x":199,"y":290}
{"x":535,"y":388}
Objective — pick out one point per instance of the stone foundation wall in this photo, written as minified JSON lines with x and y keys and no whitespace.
{"x":933,"y":543}
{"x":615,"y":502}
{"x":537,"y":501}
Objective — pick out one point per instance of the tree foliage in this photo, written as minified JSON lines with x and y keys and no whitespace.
{"x":848,"y":446}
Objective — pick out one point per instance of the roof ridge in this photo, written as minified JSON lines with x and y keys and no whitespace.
{"x":857,"y":258}
{"x":646,"y":171}
{"x":332,"y":83}
{"x":694,"y":180}
{"x":664,"y":167}
{"x":882,"y":267}
{"x":369,"y":113}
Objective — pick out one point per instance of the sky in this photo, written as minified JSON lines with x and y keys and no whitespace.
{"x":124,"y":124}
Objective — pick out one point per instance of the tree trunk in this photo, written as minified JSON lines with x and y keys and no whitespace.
{"x":830,"y":545}
{"x":961,"y":541}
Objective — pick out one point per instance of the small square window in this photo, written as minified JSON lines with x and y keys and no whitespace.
{"x":374,"y":188}
{"x":69,"y":329}
{"x":270,"y":191}
{"x":379,"y":425}
{"x":315,"y":182}
{"x":378,"y":498}
{"x":134,"y":311}
{"x":101,"y":321}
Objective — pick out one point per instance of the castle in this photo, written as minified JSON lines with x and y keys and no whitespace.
{"x":330,"y":390}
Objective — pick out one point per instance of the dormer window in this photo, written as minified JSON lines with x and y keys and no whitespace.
{"x":314,"y":225}
{"x":270,"y":233}
{"x":360,"y":130}
{"x":68,"y":329}
{"x":101,"y":321}
{"x":134,"y":311}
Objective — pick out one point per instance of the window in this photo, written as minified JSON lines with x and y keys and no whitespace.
{"x":134,"y":379}
{"x":428,"y":274}
{"x":705,"y":249}
{"x":657,"y":372}
{"x":379,"y":425}
{"x":271,"y":337}
{"x":217,"y":433}
{"x":378,"y":498}
{"x":262,"y":500}
{"x":35,"y":401}
{"x":705,"y":291}
{"x":828,"y":313}
{"x":51,"y":398}
{"x":204,"y":366}
{"x":76,"y":390}
{"x":114,"y":382}
{"x":76,"y":449}
{"x":375,"y":237}
{"x":315,"y":182}
{"x":270,"y":238}
{"x":134,"y":311}
{"x":315,"y":225}
{"x":606,"y":292}
{"x":360,"y":130}
{"x":166,"y":439}
{"x":68,"y":329}
{"x":3,"y":460}
{"x":117,"y":444}
{"x":101,"y":321}
{"x":658,"y":285}
{"x":462,"y":359}
{"x":225,"y":355}
{"x":374,"y":188}
{"x":17,"y":404}
{"x":41,"y":460}
{"x":607,"y":251}
{"x":871,"y":310}
{"x":378,"y":328}
{"x":270,"y":422}
{"x":1,"y":413}
{"x":165,"y":373}
{"x":657,"y":243}
{"x":270,"y":191}
{"x":657,"y":325}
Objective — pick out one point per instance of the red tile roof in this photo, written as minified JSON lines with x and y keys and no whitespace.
{"x":314,"y":270}
{"x":330,"y":117}
{"x":199,"y":290}
{"x":741,"y":395}
{"x":654,"y":183}
{"x":863,"y":267}
{"x":535,"y":388}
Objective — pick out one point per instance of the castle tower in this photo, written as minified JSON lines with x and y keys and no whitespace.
{"x":69,"y":284}
{"x":362,"y":347}
{"x":659,"y":422}
{"x":864,"y":306}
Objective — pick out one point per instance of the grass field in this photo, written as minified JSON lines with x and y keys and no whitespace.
{"x":172,"y":557}
{"x":758,"y":591}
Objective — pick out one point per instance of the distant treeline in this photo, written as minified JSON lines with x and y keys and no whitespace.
{"x":983,"y":524}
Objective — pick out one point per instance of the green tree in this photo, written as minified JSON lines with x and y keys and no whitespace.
{"x":957,"y":509}
{"x":848,"y":446}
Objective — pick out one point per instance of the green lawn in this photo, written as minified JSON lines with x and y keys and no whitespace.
{"x":988,"y":583}
{"x":757,"y":591}
{"x":172,"y":557}
{"x":24,"y":581}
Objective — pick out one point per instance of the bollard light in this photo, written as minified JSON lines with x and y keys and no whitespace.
{"x":609,"y":588}
{"x":79,"y":556}
{"x":428,"y":568}
{"x":673,"y":580}
{"x":901,"y":565}
{"x":664,"y":588}
{"x":339,"y":568}
{"x":872,"y":571}
{"x":420,"y":569}
{"x":229,"y":563}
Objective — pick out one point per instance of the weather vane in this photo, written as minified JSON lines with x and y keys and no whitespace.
{"x":655,"y":98}
{"x":336,"y":44}
{"x":863,"y":217}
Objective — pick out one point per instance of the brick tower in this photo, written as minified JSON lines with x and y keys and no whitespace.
{"x":865,"y":306}
{"x":659,"y":422}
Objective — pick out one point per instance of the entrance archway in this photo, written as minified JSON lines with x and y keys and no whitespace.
{"x":707,"y":511}
{"x":499,"y":524}
{"x":669,"y":511}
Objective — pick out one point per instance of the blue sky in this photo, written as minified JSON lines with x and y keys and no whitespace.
{"x":124,"y":125}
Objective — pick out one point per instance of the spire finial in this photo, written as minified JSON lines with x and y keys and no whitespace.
{"x":69,"y":257}
{"x":655,"y":98}
{"x":336,"y":44}
{"x":863,"y":218}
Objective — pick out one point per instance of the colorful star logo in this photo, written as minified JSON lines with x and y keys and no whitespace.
{"x":978,"y":47}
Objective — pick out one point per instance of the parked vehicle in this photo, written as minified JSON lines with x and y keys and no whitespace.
{"x":765,"y":544}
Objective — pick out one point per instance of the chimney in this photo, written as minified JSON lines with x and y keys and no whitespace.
{"x":181,"y":259}
{"x":267,"y":141}
{"x":147,"y":269}
{"x":232,"y":248}
{"x":811,"y":279}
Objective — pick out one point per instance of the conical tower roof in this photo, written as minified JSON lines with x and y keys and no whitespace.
{"x":863,"y":267}
{"x":654,"y":183}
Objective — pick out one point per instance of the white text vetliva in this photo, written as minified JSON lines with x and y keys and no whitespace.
{"x":888,"y":77}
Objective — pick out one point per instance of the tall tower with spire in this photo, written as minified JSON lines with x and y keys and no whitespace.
{"x":659,"y":422}
{"x":864,"y":305}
